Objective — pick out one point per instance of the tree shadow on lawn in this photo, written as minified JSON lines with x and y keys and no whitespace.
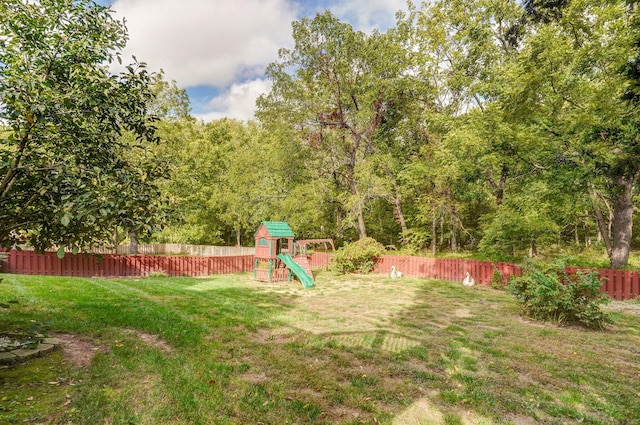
{"x":453,"y":354}
{"x":485,"y":359}
{"x":246,"y":352}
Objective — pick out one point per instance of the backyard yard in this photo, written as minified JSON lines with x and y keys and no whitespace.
{"x":354,"y":349}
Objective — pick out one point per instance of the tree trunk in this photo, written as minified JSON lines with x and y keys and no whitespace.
{"x":362,"y":228}
{"x":399,"y":215}
{"x":238,"y":237}
{"x":454,"y":241}
{"x":498,"y":188}
{"x":603,"y":230}
{"x":587,"y":235}
{"x":358,"y":210}
{"x":434,"y":232}
{"x":133,"y":245}
{"x":396,"y":201}
{"x":622,"y":223}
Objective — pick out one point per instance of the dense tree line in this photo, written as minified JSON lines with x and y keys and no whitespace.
{"x":495,"y":126}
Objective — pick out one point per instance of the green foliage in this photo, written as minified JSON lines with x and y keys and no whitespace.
{"x":341,"y":90}
{"x":470,"y":124}
{"x":498,"y":279}
{"x":227,"y":177}
{"x":414,"y":240}
{"x":546,"y":291}
{"x":359,"y":256}
{"x":74,"y":150}
{"x":523,"y":221}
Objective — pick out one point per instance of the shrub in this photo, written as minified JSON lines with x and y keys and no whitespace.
{"x":547,"y":292}
{"x":157,"y":273}
{"x":498,"y":280}
{"x":359,"y":256}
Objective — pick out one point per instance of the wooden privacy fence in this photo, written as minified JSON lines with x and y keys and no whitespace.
{"x":618,"y":284}
{"x":179,"y":249}
{"x":444,"y":268}
{"x":319,"y":260}
{"x":108,"y":265}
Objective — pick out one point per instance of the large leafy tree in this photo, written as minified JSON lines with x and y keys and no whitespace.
{"x":571,"y":83}
{"x":227,"y":177}
{"x":458,"y":49}
{"x":543,"y":93}
{"x":74,"y":157}
{"x":337,"y":88}
{"x":196,"y":153}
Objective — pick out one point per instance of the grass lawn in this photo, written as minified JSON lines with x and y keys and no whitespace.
{"x":354,"y":349}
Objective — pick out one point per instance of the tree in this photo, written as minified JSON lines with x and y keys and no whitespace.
{"x":572,"y":80}
{"x":227,"y":177}
{"x":196,"y":153}
{"x":550,"y":87}
{"x":336,"y":88}
{"x":67,"y":174}
{"x":458,"y":50}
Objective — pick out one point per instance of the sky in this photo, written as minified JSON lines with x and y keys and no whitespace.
{"x":217,"y":50}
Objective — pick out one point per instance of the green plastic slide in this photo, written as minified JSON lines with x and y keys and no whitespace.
{"x":305,"y":279}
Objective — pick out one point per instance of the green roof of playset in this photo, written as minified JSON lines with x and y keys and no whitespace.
{"x":278,"y":229}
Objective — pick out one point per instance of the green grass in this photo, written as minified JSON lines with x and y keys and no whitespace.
{"x":354,"y":349}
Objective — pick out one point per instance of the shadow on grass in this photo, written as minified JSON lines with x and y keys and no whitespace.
{"x":485,"y":362}
{"x":245,"y":352}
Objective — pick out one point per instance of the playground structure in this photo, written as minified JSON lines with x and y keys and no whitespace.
{"x":278,"y":258}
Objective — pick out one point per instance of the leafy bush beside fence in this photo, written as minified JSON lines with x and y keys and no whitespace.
{"x":359,"y":256}
{"x":546,"y":291}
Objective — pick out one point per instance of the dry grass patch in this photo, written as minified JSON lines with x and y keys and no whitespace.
{"x":78,"y":349}
{"x":151,"y":340}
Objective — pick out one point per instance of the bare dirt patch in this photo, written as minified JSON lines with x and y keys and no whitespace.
{"x":78,"y":349}
{"x":152,"y":340}
{"x":276,"y":336}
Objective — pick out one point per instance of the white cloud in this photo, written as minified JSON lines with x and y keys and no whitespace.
{"x":366,"y":15}
{"x":236,"y":102}
{"x":204,"y":42}
{"x":225,"y":45}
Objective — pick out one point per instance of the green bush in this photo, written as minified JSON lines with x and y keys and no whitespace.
{"x":498,"y":280}
{"x":359,"y":256}
{"x":547,"y":292}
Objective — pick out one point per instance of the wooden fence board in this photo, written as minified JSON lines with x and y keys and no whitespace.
{"x":178,"y":249}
